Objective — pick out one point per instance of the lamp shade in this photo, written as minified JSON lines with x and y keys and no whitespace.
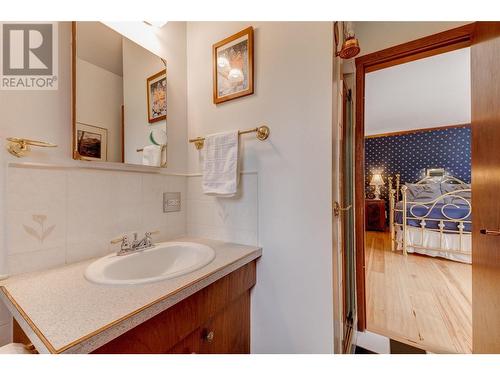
{"x":377,"y":179}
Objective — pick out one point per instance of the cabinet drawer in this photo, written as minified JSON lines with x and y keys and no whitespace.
{"x":226,"y":333}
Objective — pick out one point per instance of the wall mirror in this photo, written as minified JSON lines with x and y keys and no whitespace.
{"x":119,"y":98}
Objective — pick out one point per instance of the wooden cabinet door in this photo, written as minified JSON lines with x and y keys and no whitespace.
{"x":228,"y":332}
{"x":485,"y":79}
{"x":375,"y":214}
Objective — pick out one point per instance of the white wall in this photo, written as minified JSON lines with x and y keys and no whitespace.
{"x":99,"y":100}
{"x":425,"y":93}
{"x":72,"y":197}
{"x":138,"y":65}
{"x":292,"y":301}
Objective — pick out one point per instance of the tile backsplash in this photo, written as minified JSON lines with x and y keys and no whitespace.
{"x":232,"y":219}
{"x":64,"y":216}
{"x":59,"y":216}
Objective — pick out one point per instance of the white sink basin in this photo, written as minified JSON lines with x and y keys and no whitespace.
{"x":165,"y":261}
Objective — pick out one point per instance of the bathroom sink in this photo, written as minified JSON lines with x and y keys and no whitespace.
{"x":164,"y":261}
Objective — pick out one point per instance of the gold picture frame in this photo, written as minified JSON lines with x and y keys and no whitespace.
{"x":233,"y":66}
{"x":91,"y":142}
{"x":156,"y":87}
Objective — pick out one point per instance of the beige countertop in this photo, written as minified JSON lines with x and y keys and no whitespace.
{"x":62,"y":312}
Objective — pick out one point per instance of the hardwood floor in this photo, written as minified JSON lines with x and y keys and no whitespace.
{"x":419,"y":300}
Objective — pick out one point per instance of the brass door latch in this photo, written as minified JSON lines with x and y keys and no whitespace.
{"x":337,"y":209}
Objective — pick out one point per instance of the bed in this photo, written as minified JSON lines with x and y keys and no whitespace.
{"x":432,"y":217}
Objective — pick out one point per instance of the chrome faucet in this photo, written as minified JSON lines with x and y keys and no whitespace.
{"x":131,"y":246}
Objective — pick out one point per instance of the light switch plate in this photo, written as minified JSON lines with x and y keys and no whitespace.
{"x":171,"y":202}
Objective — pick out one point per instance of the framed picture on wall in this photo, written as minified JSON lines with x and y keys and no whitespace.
{"x":91,"y":142}
{"x":233,"y":66}
{"x":157,"y":96}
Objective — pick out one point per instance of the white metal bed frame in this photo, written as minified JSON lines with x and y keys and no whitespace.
{"x":429,"y":206}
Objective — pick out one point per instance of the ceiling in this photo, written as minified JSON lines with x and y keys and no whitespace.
{"x":425,"y":93}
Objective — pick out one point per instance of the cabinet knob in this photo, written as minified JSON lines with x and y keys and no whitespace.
{"x":209,"y":336}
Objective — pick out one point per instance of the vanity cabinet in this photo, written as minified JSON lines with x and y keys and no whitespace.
{"x":215,"y":320}
{"x":228,"y":332}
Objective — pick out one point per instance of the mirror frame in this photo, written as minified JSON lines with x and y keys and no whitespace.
{"x":74,"y":148}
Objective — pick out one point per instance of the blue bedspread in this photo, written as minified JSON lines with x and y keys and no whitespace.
{"x":453,"y":212}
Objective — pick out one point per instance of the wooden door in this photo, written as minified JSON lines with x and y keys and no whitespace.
{"x":485,"y":92}
{"x":346,"y":171}
{"x":226,"y":333}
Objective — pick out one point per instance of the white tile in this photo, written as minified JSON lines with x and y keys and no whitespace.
{"x":233,"y":219}
{"x":177,"y":184}
{"x":36,"y":209}
{"x":35,"y":189}
{"x":178,"y":218}
{"x":5,"y":334}
{"x":194,"y":190}
{"x":35,"y":230}
{"x":86,"y":249}
{"x":201,"y":212}
{"x":153,"y":187}
{"x":90,"y":213}
{"x":126,"y":202}
{"x":203,"y":231}
{"x":36,"y":261}
{"x":174,"y":232}
{"x":236,"y":213}
{"x":5,"y":316}
{"x":153,"y":218}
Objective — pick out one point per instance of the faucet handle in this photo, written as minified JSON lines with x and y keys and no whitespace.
{"x":119,"y":239}
{"x":124,"y":241}
{"x":149,"y":240}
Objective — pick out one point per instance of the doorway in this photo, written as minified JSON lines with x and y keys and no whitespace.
{"x":386,"y":266}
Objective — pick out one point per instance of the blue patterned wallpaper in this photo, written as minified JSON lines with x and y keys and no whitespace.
{"x":411,"y":154}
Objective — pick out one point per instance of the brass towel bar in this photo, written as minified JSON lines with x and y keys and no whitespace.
{"x":21,"y":146}
{"x":262,"y":134}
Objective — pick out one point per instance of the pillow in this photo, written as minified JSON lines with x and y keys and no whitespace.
{"x":422,"y":192}
{"x":448,"y":188}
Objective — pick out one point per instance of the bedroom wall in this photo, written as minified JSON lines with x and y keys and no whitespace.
{"x":410,"y":154}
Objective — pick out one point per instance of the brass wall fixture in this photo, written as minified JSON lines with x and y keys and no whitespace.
{"x":19,"y":147}
{"x":350,"y":44}
{"x":262,"y":134}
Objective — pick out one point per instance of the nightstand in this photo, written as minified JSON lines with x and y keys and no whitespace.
{"x":375,"y":214}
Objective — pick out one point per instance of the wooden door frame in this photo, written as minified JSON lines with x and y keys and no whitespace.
{"x":435,"y":44}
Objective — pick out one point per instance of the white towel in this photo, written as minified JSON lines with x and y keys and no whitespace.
{"x":220,"y":164}
{"x":151,"y":155}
